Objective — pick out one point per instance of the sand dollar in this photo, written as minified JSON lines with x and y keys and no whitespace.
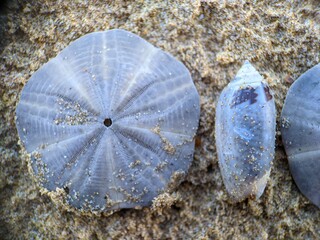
{"x":110,"y":120}
{"x":300,"y":129}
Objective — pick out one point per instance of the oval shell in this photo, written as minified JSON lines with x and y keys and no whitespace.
{"x":300,"y":130}
{"x":111,"y":120}
{"x":245,"y":134}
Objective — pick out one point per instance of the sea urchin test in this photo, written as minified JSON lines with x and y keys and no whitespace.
{"x":245,"y":134}
{"x":111,"y":120}
{"x":300,"y":129}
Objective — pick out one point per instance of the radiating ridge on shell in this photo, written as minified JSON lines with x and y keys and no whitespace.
{"x":300,"y":130}
{"x":111,"y":120}
{"x":245,"y":134}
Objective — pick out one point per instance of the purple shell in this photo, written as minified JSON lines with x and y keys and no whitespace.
{"x":300,"y":129}
{"x":245,"y":134}
{"x":111,"y":120}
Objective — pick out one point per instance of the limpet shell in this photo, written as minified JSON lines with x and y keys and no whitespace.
{"x":110,"y":120}
{"x":245,"y":134}
{"x":300,"y":130}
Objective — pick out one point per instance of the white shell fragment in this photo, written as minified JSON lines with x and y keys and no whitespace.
{"x":245,"y":134}
{"x":300,"y":130}
{"x":111,"y":120}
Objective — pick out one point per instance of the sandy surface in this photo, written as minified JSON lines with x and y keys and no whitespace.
{"x":212,"y":38}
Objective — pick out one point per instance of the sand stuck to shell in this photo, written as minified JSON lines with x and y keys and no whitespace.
{"x":109,"y":120}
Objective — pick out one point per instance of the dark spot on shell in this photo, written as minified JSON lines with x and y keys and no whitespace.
{"x":243,"y":95}
{"x":267,"y":92}
{"x":107,"y":122}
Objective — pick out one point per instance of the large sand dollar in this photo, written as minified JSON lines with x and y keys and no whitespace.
{"x":111,"y":120}
{"x":300,"y":129}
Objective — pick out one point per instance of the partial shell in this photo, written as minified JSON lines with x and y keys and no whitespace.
{"x":245,"y":134}
{"x":111,"y":120}
{"x":300,"y":129}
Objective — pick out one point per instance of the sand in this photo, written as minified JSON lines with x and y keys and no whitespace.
{"x":212,"y":38}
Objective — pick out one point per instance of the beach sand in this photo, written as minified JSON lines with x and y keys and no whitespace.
{"x":212,"y":38}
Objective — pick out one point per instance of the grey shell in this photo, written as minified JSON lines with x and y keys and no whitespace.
{"x":300,"y":130}
{"x":245,"y":134}
{"x":111,"y":119}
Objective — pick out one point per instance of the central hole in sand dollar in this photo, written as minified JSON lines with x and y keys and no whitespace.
{"x":107,"y":122}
